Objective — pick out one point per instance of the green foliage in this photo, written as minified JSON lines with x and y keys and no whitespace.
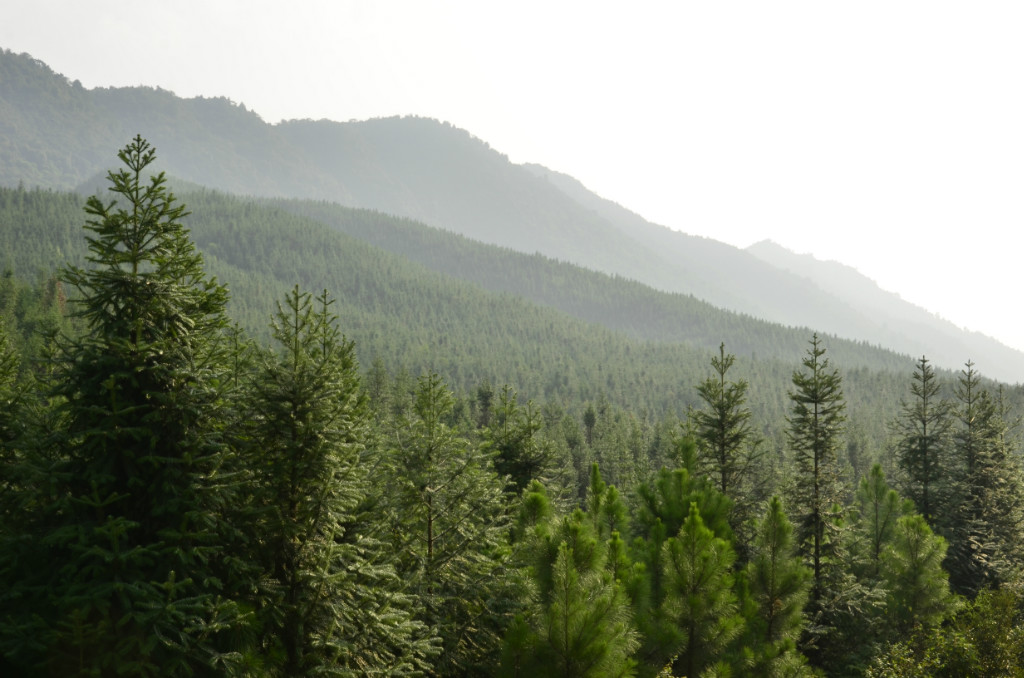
{"x":699,"y":596}
{"x":815,"y":430}
{"x":328,"y":604}
{"x":878,"y":508}
{"x":922,"y":444}
{"x":918,"y":587}
{"x":580,"y":622}
{"x":985,"y":525}
{"x":984,"y":639}
{"x":512,"y":438}
{"x":663,"y":507}
{"x":448,"y":518}
{"x":777,"y":584}
{"x":728,"y":447}
{"x":132,"y":512}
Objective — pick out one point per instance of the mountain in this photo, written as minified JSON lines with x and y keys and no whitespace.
{"x":55,"y":133}
{"x":900,"y":325}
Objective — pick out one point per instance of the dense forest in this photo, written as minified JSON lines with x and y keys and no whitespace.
{"x":402,"y":473}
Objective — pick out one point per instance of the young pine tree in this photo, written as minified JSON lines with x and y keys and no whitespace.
{"x":777,"y":584}
{"x":699,"y":595}
{"x":579,"y":623}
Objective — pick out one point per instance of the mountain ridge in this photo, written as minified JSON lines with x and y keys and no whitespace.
{"x":438,"y":174}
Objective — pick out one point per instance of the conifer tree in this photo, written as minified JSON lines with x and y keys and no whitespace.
{"x":448,"y":518}
{"x":815,"y":430}
{"x":330,"y":605}
{"x":132,"y":539}
{"x":580,"y":622}
{"x":778,"y":584}
{"x":878,"y":508}
{"x":876,"y":514}
{"x":917,"y":584}
{"x":513,"y":438}
{"x":922,"y":444}
{"x":985,"y":525}
{"x":663,"y":507}
{"x":726,"y":442}
{"x":699,"y":595}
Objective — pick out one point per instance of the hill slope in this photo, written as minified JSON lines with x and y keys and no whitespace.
{"x":54,"y":133}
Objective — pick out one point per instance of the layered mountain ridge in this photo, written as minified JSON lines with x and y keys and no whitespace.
{"x":56,"y":134}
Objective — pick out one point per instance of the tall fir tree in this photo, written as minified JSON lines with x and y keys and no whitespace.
{"x":985,"y":525}
{"x":815,"y":431}
{"x":134,"y":521}
{"x":922,"y":443}
{"x":728,"y":446}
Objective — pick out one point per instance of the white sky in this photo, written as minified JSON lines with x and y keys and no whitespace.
{"x":886,"y":135}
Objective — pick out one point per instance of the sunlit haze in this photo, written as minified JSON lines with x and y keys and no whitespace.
{"x":885,"y":135}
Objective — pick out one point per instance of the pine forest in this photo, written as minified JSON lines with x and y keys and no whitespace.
{"x":247,"y":435}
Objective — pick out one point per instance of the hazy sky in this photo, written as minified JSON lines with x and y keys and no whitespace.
{"x":885,"y":135}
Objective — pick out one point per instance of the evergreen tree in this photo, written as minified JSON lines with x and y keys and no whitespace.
{"x":917,"y":585}
{"x":778,"y":584}
{"x":985,"y":526}
{"x":699,"y":596}
{"x":878,"y":507}
{"x":580,"y":622}
{"x":727,"y":445}
{"x":815,"y":430}
{"x":448,"y":518}
{"x":662,"y":507}
{"x":329,"y":605}
{"x":922,"y":444}
{"x":513,"y":438}
{"x":134,"y":523}
{"x":605,"y":507}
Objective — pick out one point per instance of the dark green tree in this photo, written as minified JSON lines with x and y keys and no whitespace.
{"x":514,"y":440}
{"x":922,"y":442}
{"x":815,"y":432}
{"x":128,"y":570}
{"x":985,"y":525}
{"x":728,"y":447}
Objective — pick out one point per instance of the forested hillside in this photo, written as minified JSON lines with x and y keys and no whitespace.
{"x":553,"y":330}
{"x":495,"y":487}
{"x":53,"y":132}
